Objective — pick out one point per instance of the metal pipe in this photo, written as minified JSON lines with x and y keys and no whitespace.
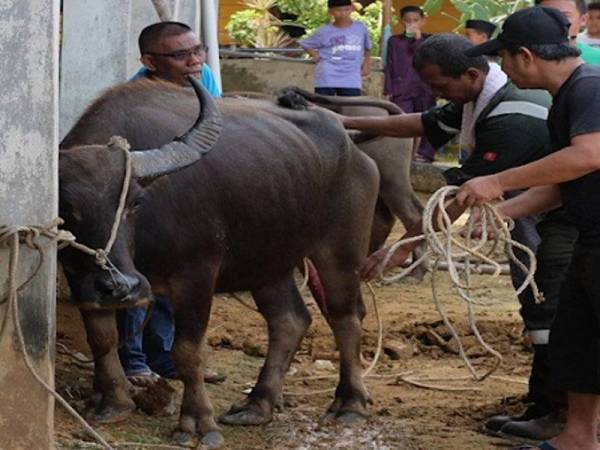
{"x":210,"y":37}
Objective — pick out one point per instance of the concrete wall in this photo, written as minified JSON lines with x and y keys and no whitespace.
{"x":99,"y":47}
{"x":268,"y":76}
{"x":28,"y":195}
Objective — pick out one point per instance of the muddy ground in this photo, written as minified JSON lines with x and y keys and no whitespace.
{"x":417,"y":346}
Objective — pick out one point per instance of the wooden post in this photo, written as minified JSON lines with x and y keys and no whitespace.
{"x":28,"y":195}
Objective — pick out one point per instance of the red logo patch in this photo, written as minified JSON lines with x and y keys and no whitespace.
{"x":490,"y":156}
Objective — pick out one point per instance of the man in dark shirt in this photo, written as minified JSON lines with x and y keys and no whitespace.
{"x":535,"y":52}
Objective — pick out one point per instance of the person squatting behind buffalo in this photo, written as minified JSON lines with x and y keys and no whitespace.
{"x":169,"y":51}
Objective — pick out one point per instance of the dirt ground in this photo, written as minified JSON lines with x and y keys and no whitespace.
{"x":404,"y":416}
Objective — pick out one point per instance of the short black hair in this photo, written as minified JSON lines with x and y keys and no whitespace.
{"x":153,"y":33}
{"x":447,"y":50}
{"x":580,"y":4}
{"x":594,"y":6}
{"x":411,"y":9}
{"x":548,"y":52}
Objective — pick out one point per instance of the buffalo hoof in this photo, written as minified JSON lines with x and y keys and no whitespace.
{"x":212,"y":441}
{"x":245,"y":417}
{"x":345,"y":418}
{"x":110,"y":413}
{"x":183,"y":438}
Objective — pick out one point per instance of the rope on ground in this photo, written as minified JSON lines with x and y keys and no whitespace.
{"x":453,"y":244}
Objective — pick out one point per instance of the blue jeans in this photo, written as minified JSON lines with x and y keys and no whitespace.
{"x":344,"y":92}
{"x":149,"y":350}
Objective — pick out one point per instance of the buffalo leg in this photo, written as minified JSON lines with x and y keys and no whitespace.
{"x":346,"y":311}
{"x":338,"y":259}
{"x":109,"y":379}
{"x":287,"y":320}
{"x":192,"y":303}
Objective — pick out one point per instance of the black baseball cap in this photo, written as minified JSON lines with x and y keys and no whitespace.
{"x":481,"y":25}
{"x":536,"y":25}
{"x":336,"y":3}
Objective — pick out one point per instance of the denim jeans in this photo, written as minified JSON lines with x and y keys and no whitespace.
{"x":141,"y":352}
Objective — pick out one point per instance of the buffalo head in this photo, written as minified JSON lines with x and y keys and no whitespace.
{"x":91,"y":182}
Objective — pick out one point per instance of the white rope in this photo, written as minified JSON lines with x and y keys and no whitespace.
{"x":13,"y":236}
{"x":453,"y":244}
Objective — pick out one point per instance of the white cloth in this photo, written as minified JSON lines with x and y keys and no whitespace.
{"x":494,"y":81}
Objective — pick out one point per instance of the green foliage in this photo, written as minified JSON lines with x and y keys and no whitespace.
{"x":371,"y":16}
{"x":491,"y":10}
{"x":245,"y":26}
{"x":240,"y":27}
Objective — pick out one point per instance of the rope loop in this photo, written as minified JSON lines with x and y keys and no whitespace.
{"x":454,"y":245}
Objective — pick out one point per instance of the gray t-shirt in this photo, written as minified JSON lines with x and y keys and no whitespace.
{"x":341,"y":53}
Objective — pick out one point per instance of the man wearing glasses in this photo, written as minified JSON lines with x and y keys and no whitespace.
{"x":169,"y":51}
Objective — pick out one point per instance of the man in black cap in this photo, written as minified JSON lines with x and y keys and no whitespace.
{"x":479,"y":31}
{"x":535,"y":51}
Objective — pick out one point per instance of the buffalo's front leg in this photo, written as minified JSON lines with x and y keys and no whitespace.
{"x":287,"y":319}
{"x":192,"y":304}
{"x":109,"y":379}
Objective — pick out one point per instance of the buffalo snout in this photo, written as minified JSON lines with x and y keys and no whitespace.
{"x":118,"y":290}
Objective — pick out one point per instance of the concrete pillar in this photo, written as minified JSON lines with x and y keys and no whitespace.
{"x":94,"y":53}
{"x":28,"y":195}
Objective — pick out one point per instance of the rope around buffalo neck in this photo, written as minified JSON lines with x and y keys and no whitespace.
{"x":13,"y":236}
{"x":453,"y":244}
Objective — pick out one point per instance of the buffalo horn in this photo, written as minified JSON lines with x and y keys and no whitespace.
{"x":187,"y":149}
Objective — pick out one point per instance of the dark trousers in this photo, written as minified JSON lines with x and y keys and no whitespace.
{"x":343,"y":92}
{"x":150,"y":349}
{"x":414,"y":105}
{"x":554,"y":254}
{"x":575,"y":336}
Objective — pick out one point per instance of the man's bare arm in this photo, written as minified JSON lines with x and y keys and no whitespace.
{"x":401,"y":125}
{"x":372,"y":266}
{"x":536,"y":200}
{"x":572,"y":162}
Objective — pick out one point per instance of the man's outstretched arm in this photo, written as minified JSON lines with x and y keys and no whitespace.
{"x":401,"y":125}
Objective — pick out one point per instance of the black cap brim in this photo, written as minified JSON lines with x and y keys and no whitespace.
{"x":490,"y":47}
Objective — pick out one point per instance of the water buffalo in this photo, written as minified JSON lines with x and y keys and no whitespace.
{"x":393,"y":157}
{"x":250,"y":190}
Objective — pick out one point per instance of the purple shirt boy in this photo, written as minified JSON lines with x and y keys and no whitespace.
{"x":341,"y":52}
{"x":401,"y":79}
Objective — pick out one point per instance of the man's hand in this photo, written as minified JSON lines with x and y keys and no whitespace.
{"x":480,"y":190}
{"x":314,"y":54}
{"x":373,"y":266}
{"x":365,"y":69}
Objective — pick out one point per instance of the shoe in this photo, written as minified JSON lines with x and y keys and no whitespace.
{"x":495,"y":423}
{"x":535,"y":430}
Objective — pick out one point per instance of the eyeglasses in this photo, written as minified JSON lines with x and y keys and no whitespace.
{"x":183,"y":55}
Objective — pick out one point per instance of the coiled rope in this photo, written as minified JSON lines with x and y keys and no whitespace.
{"x":453,"y":244}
